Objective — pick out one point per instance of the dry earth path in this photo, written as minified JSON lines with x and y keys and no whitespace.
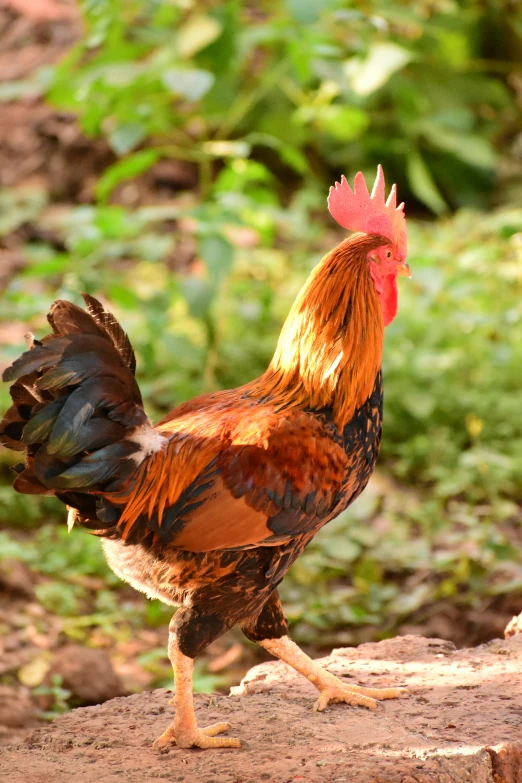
{"x":462,"y":722}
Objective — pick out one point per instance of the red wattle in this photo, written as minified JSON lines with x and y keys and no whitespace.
{"x":389,"y":298}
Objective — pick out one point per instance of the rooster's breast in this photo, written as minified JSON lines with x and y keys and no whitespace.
{"x":360,"y":439}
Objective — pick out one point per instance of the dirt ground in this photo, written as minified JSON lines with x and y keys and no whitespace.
{"x":461,"y":722}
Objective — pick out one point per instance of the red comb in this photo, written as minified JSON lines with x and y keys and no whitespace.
{"x":357,"y":210}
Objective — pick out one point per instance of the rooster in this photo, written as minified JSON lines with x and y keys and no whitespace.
{"x":208,"y":509}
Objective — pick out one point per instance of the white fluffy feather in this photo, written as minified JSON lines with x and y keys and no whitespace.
{"x":149,"y":440}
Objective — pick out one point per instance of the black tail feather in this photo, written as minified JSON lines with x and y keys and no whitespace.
{"x":109,"y":323}
{"x":75,"y":404}
{"x":42,"y":421}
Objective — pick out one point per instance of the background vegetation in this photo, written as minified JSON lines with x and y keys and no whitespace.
{"x":219,"y":127}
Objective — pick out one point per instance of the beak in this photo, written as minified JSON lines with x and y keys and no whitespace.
{"x":403,"y":269}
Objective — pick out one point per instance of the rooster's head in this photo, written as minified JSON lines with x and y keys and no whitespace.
{"x":358,"y":210}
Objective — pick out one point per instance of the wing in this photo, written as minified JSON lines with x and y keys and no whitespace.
{"x":259,"y":480}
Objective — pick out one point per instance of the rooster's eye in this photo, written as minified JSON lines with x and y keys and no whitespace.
{"x":388,"y":254}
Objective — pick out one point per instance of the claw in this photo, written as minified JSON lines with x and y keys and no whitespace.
{"x":197,"y":738}
{"x":370,"y":698}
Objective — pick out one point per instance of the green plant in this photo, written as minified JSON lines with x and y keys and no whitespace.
{"x":59,"y":695}
{"x":306,"y":88}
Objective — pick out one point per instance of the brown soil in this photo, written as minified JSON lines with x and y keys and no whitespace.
{"x":460,"y":723}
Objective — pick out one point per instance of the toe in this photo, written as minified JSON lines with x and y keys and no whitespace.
{"x":353,"y":695}
{"x":196,"y":738}
{"x":205,"y":741}
{"x":164,"y":743}
{"x":376,"y":693}
{"x":355,"y":699}
{"x":216,"y":728}
{"x":386,"y":693}
{"x":359,"y":700}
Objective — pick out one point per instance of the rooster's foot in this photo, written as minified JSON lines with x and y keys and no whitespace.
{"x":330,"y":687}
{"x":332,"y":690}
{"x":196,"y":738}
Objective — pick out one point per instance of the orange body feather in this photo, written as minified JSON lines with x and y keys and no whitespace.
{"x":328,"y":356}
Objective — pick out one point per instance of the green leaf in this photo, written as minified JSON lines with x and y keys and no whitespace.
{"x":383,"y":60}
{"x":455,"y":47}
{"x":124,"y":169}
{"x":14,"y":91}
{"x":294,"y":158}
{"x":422,"y":184}
{"x":196,"y":34}
{"x":470,"y":148}
{"x":115,"y":222}
{"x":198,"y":295}
{"x":125,"y":137}
{"x":124,"y":296}
{"x":190,"y":84}
{"x":238,"y":148}
{"x":20,"y":206}
{"x":59,"y":597}
{"x":218,"y":255}
{"x":33,"y":673}
{"x":420,"y":405}
{"x":204,"y":681}
{"x":47,"y":263}
{"x":341,"y":548}
{"x":122,"y":74}
{"x":309,"y":11}
{"x":342,"y":122}
{"x":16,"y":550}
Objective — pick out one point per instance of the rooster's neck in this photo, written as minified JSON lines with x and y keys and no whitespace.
{"x":330,"y":348}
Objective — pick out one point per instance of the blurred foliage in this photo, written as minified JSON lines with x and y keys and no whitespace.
{"x":267,"y":102}
{"x":59,"y":698}
{"x":309,"y":88}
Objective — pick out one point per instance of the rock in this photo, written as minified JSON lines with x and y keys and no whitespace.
{"x":507,"y":762}
{"x":460,"y":724}
{"x":87,"y":673}
{"x":16,"y":707}
{"x":16,"y":579}
{"x":514,"y":626}
{"x":18,"y":714}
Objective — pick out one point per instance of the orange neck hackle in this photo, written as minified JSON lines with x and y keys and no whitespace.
{"x":330,"y":348}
